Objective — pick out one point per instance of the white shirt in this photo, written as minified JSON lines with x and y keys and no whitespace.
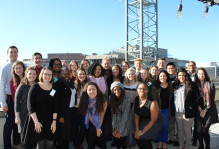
{"x":179,"y":99}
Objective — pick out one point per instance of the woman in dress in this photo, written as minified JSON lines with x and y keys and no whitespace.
{"x":93,"y":106}
{"x":42,"y":106}
{"x":206,"y":108}
{"x":146,"y":115}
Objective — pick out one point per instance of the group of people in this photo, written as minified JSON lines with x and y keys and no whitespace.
{"x":49,"y":107}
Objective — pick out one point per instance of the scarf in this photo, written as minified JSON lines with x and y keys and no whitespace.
{"x":91,"y":110}
{"x":205,"y":92}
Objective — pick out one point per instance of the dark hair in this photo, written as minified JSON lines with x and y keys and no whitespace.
{"x":41,"y":74}
{"x":158,"y":80}
{"x":177,"y":82}
{"x":171,"y":64}
{"x":161,"y":58}
{"x":93,"y":67}
{"x":80,"y":85}
{"x":25,"y":80}
{"x":114,"y":101}
{"x":193,"y":62}
{"x":83,"y":105}
{"x":207,"y":78}
{"x":37,"y":53}
{"x":126,"y":63}
{"x":120,"y":70}
{"x":52,"y":61}
{"x":16,"y":78}
{"x":12,"y":47}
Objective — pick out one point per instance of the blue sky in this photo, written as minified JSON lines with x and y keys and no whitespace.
{"x":70,"y":26}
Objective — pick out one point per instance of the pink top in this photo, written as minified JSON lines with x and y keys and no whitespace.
{"x":101,"y":83}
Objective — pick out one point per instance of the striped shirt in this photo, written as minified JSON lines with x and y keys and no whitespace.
{"x":5,"y":78}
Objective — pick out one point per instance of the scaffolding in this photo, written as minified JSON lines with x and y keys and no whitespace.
{"x":141,"y":30}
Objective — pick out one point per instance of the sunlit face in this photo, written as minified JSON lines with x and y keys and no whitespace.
{"x":171,"y":70}
{"x":131,"y":75}
{"x":138,"y":65}
{"x":47,"y":75}
{"x":57,"y":66}
{"x":124,"y":67}
{"x":191,"y":67}
{"x":142,"y":89}
{"x":182,"y":77}
{"x":81,"y":75}
{"x":144,"y":74}
{"x":97,"y":72}
{"x":64,"y":64}
{"x":106,"y":64}
{"x":85,"y":65}
{"x":161,"y":64}
{"x":65,"y":75}
{"x":74,"y":66}
{"x":19,"y":70}
{"x":31,"y":75}
{"x":154,"y":71}
{"x":92,"y":91}
{"x":163,"y":77}
{"x":37,"y":59}
{"x":117,"y":91}
{"x":201,"y":75}
{"x":12,"y":54}
{"x":115,"y":71}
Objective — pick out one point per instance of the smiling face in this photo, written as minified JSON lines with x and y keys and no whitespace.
{"x":142,"y":90}
{"x":117,"y":91}
{"x":201,"y":75}
{"x":65,"y":74}
{"x":31,"y":75}
{"x":181,"y":77}
{"x":144,"y":74}
{"x":85,"y":65}
{"x":115,"y":71}
{"x":131,"y":75}
{"x":12,"y":54}
{"x":57,"y":66}
{"x":19,"y":70}
{"x":97,"y":72}
{"x":154,"y":71}
{"x":163,"y":77}
{"x":161,"y":64}
{"x":106,"y":64}
{"x":138,"y":65}
{"x":47,"y":76}
{"x":81,"y":75}
{"x":91,"y":91}
{"x":74,"y":66}
{"x":191,"y":67}
{"x":37,"y":59}
{"x":171,"y":70}
{"x":124,"y":67}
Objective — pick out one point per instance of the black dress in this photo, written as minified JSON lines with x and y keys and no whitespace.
{"x":44,"y":104}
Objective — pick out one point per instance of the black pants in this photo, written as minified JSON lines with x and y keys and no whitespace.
{"x":78,"y":129}
{"x":144,"y":144}
{"x":10,"y":126}
{"x":120,"y":142}
{"x":203,"y":133}
{"x":93,"y":140}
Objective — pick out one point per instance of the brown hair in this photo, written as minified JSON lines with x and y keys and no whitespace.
{"x":41,"y":74}
{"x":83,"y":105}
{"x":25,"y":80}
{"x":139,"y":76}
{"x":16,"y":78}
{"x":80,"y":85}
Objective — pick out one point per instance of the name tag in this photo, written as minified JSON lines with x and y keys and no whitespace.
{"x":52,"y":93}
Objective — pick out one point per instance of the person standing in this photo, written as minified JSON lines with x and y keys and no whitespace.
{"x":37,"y":58}
{"x":6,"y":102}
{"x":138,"y":65}
{"x":161,"y":63}
{"x":206,"y":108}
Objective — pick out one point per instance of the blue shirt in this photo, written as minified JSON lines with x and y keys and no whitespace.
{"x":5,"y":78}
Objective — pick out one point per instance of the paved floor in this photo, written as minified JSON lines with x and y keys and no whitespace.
{"x":214,"y":133}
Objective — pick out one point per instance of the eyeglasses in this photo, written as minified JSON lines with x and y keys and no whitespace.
{"x":144,"y":89}
{"x":48,"y":75}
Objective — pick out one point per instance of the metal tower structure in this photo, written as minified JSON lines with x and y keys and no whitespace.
{"x":141,"y":30}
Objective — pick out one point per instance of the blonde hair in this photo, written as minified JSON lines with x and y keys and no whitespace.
{"x":138,"y":59}
{"x":106,"y":58}
{"x":126,"y":75}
